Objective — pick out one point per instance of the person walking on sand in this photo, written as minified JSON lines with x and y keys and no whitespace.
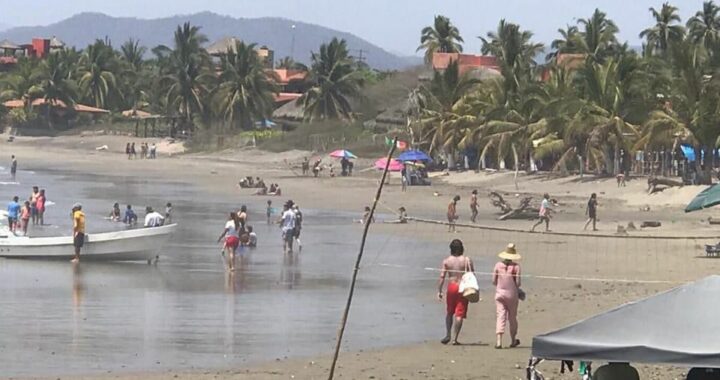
{"x":544,"y":213}
{"x":506,"y":278}
{"x":591,"y":212}
{"x":473,"y":206}
{"x":231,"y":234}
{"x":127,"y":151}
{"x":452,"y":215}
{"x":13,"y":166}
{"x":453,"y":267}
{"x":78,"y":230}
{"x":40,"y":205}
{"x":133,"y":152}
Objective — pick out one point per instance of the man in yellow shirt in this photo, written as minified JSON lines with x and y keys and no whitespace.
{"x":78,"y":230}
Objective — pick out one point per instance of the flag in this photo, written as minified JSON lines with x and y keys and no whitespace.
{"x":402,"y":145}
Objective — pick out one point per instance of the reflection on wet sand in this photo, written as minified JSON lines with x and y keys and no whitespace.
{"x":78,"y":290}
{"x":290,"y":272}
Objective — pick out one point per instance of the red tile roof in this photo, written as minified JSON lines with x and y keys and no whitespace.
{"x":466,"y":62}
{"x":285,"y":76}
{"x":18,"y":103}
{"x":8,"y":60}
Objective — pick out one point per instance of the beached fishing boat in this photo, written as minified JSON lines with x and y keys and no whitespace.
{"x":124,"y":245}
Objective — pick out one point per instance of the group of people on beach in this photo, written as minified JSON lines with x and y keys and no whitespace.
{"x":32,"y":210}
{"x":236,"y":234}
{"x":148,"y":151}
{"x":508,"y":293}
{"x":259,"y":184}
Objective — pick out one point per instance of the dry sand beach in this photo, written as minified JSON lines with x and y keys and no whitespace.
{"x":570,"y":276}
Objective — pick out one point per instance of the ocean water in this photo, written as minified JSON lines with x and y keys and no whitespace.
{"x":186,"y":312}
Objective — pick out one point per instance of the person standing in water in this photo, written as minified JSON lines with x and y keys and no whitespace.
{"x":13,"y":166}
{"x":78,"y":230}
{"x":25,"y":217}
{"x":231,"y":234}
{"x":298,"y":225}
{"x":40,"y":205}
{"x":168,"y":213}
{"x":269,"y":211}
{"x":287,"y":225}
{"x":591,"y":212}
{"x":13,"y":212}
{"x":33,"y":204}
{"x":544,"y":213}
{"x":473,"y":206}
{"x":452,"y":215}
{"x":453,"y":268}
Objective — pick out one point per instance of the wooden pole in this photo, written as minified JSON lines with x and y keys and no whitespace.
{"x":343,"y":321}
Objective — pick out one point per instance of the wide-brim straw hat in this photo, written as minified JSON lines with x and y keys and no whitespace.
{"x":510,"y":253}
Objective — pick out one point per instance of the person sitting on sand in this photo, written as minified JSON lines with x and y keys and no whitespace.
{"x":453,"y":268}
{"x":317,"y":168}
{"x":252,"y":238}
{"x":115,"y":213}
{"x":544,"y":213}
{"x":272,"y":189}
{"x":262,"y":190}
{"x":130,"y":217}
{"x":402,"y":215}
{"x":366,"y":217}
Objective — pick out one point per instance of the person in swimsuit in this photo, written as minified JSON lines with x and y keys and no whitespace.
{"x":591,"y":212}
{"x":33,"y":204}
{"x":231,"y":234}
{"x":453,"y":268}
{"x":25,"y":217}
{"x":242,"y":217}
{"x":473,"y":206}
{"x":40,"y":205}
{"x":452,"y":213}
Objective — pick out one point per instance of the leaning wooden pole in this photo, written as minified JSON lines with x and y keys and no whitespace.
{"x":370,"y":217}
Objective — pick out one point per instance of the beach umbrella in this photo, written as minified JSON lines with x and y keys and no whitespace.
{"x":395,"y":165}
{"x":342,"y":153}
{"x":707,"y":198}
{"x":414,"y":155}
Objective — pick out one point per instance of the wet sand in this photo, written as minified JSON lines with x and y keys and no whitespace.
{"x":189,"y":321}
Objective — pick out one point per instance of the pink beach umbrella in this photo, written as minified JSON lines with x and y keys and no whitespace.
{"x":395,"y":165}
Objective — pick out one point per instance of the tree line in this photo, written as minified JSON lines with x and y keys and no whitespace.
{"x":590,"y":114}
{"x":183,"y":81}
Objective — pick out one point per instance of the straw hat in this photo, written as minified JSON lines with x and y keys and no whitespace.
{"x":510,"y":253}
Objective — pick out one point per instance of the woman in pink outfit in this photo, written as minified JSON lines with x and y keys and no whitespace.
{"x":506,"y":278}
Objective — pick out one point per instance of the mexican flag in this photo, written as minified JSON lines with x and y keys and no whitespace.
{"x":400,"y":144}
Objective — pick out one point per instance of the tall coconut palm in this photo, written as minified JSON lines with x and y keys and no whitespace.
{"x":97,"y":77}
{"x":246,"y":92}
{"x":598,"y":36}
{"x":132,"y":53}
{"x":18,"y":83}
{"x":441,"y":37}
{"x":666,"y":30}
{"x":186,"y":73}
{"x":334,"y":81}
{"x":288,"y":63}
{"x":515,"y":52}
{"x":569,"y":42}
{"x":704,"y":28}
{"x":55,"y":84}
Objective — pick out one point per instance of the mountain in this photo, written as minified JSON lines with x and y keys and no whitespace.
{"x":4,"y":27}
{"x":277,"y":33}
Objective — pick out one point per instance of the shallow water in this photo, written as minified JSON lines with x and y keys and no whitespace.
{"x":186,"y":312}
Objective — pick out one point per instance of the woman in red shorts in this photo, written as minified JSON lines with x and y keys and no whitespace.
{"x":231,"y":233}
{"x":453,"y":267}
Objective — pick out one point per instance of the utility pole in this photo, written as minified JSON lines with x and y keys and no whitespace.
{"x":292,"y":43}
{"x":360,"y":58}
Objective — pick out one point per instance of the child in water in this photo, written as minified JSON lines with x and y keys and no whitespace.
{"x":252,"y":238}
{"x":269,"y":211}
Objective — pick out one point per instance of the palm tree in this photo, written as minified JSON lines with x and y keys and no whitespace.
{"x":598,"y":38}
{"x":704,"y":28}
{"x":666,"y":29}
{"x":442,"y":37}
{"x":446,"y":115}
{"x":568,"y":43}
{"x":186,"y":72}
{"x":18,"y":83}
{"x":288,"y":63}
{"x":55,"y":84}
{"x":515,"y":52}
{"x":97,"y":79}
{"x":246,"y":92}
{"x":335,"y":80}
{"x":132,"y":53}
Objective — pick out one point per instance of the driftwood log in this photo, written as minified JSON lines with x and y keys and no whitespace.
{"x":523,"y":211}
{"x":656,"y":184}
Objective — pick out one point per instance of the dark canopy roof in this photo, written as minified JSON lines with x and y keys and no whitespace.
{"x":679,"y":327}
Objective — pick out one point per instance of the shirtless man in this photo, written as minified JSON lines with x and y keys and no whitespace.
{"x":453,"y":267}
{"x":452,"y":213}
{"x":473,"y":206}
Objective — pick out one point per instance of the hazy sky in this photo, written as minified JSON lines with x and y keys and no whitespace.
{"x":392,"y":24}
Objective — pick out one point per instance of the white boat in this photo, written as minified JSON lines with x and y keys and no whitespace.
{"x":123,"y":245}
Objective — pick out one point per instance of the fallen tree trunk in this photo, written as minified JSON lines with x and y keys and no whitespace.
{"x":654,"y":184}
{"x":523,"y":211}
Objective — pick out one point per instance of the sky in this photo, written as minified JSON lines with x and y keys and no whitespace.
{"x":392,"y":24}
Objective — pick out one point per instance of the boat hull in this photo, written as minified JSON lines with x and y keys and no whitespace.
{"x":124,"y":245}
